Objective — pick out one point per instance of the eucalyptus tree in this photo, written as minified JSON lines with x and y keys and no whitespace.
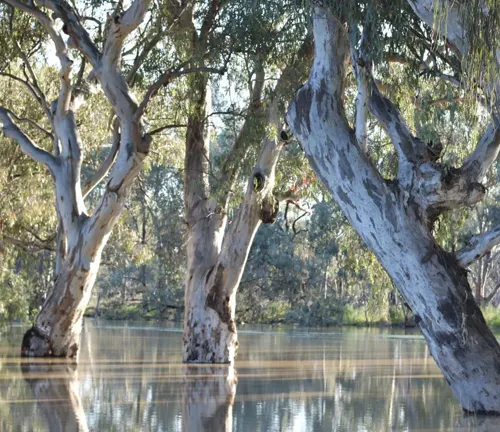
{"x":217,"y":250}
{"x":396,"y":217}
{"x":485,"y":272}
{"x":199,"y":38}
{"x":82,"y":233}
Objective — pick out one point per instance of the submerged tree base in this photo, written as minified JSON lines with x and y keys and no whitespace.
{"x":35,"y":344}
{"x":208,"y":339}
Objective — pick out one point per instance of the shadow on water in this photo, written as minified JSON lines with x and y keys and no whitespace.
{"x":478,"y":424}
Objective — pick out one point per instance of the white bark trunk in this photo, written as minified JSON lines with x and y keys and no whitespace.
{"x":56,"y":331}
{"x":206,"y":338}
{"x":57,"y":328}
{"x":395,"y":227}
{"x":217,"y":259}
{"x":81,"y":237}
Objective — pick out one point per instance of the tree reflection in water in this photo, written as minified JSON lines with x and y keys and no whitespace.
{"x":478,"y":424}
{"x":130,"y":378}
{"x":208,"y":398}
{"x":56,"y":388}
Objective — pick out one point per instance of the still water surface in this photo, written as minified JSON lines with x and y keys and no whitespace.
{"x":130,"y":378}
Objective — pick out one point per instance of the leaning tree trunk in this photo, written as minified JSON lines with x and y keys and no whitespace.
{"x":395,"y":218}
{"x":57,"y":328}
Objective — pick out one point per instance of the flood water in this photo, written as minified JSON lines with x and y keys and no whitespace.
{"x":130,"y":378}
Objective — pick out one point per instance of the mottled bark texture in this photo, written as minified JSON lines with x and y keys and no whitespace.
{"x":81,"y":237}
{"x":217,"y":254}
{"x":395,"y":218}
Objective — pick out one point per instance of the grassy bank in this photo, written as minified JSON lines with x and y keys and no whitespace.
{"x":309,"y":315}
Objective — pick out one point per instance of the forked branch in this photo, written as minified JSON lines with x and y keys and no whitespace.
{"x":121,"y":26}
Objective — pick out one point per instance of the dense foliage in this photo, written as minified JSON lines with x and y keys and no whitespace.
{"x":309,"y":267}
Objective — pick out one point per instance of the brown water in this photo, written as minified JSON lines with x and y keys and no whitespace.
{"x":130,"y":378}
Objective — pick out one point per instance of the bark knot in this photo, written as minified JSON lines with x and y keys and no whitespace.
{"x":259,"y":181}
{"x":269,"y":210}
{"x":219,"y":301}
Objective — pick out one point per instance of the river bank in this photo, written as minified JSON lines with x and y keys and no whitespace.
{"x":307,"y":316}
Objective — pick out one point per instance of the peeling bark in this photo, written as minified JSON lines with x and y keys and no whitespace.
{"x":81,"y":237}
{"x":216,"y":260}
{"x":217,"y":251}
{"x":478,"y":246}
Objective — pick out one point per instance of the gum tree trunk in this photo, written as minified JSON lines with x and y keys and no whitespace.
{"x":57,"y":328}
{"x":216,"y":250}
{"x":395,"y":218}
{"x":81,"y":237}
{"x":217,"y":257}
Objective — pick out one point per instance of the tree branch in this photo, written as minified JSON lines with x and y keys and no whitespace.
{"x":61,"y":52}
{"x":450,"y":25}
{"x":29,"y":246}
{"x":361,"y":106}
{"x":289,"y":80}
{"x":121,"y":26}
{"x":11,"y":130}
{"x":485,"y":153}
{"x":165,"y":127}
{"x":362,"y":72}
{"x":492,"y":294}
{"x":294,"y":229}
{"x":167,"y":77}
{"x":106,"y":165}
{"x":72,"y":27}
{"x":478,"y":246}
{"x":30,"y":88}
{"x":32,"y":123}
{"x":208,"y":22}
{"x":40,"y":96}
{"x":250,"y":128}
{"x":146,"y":49}
{"x":410,"y":149}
